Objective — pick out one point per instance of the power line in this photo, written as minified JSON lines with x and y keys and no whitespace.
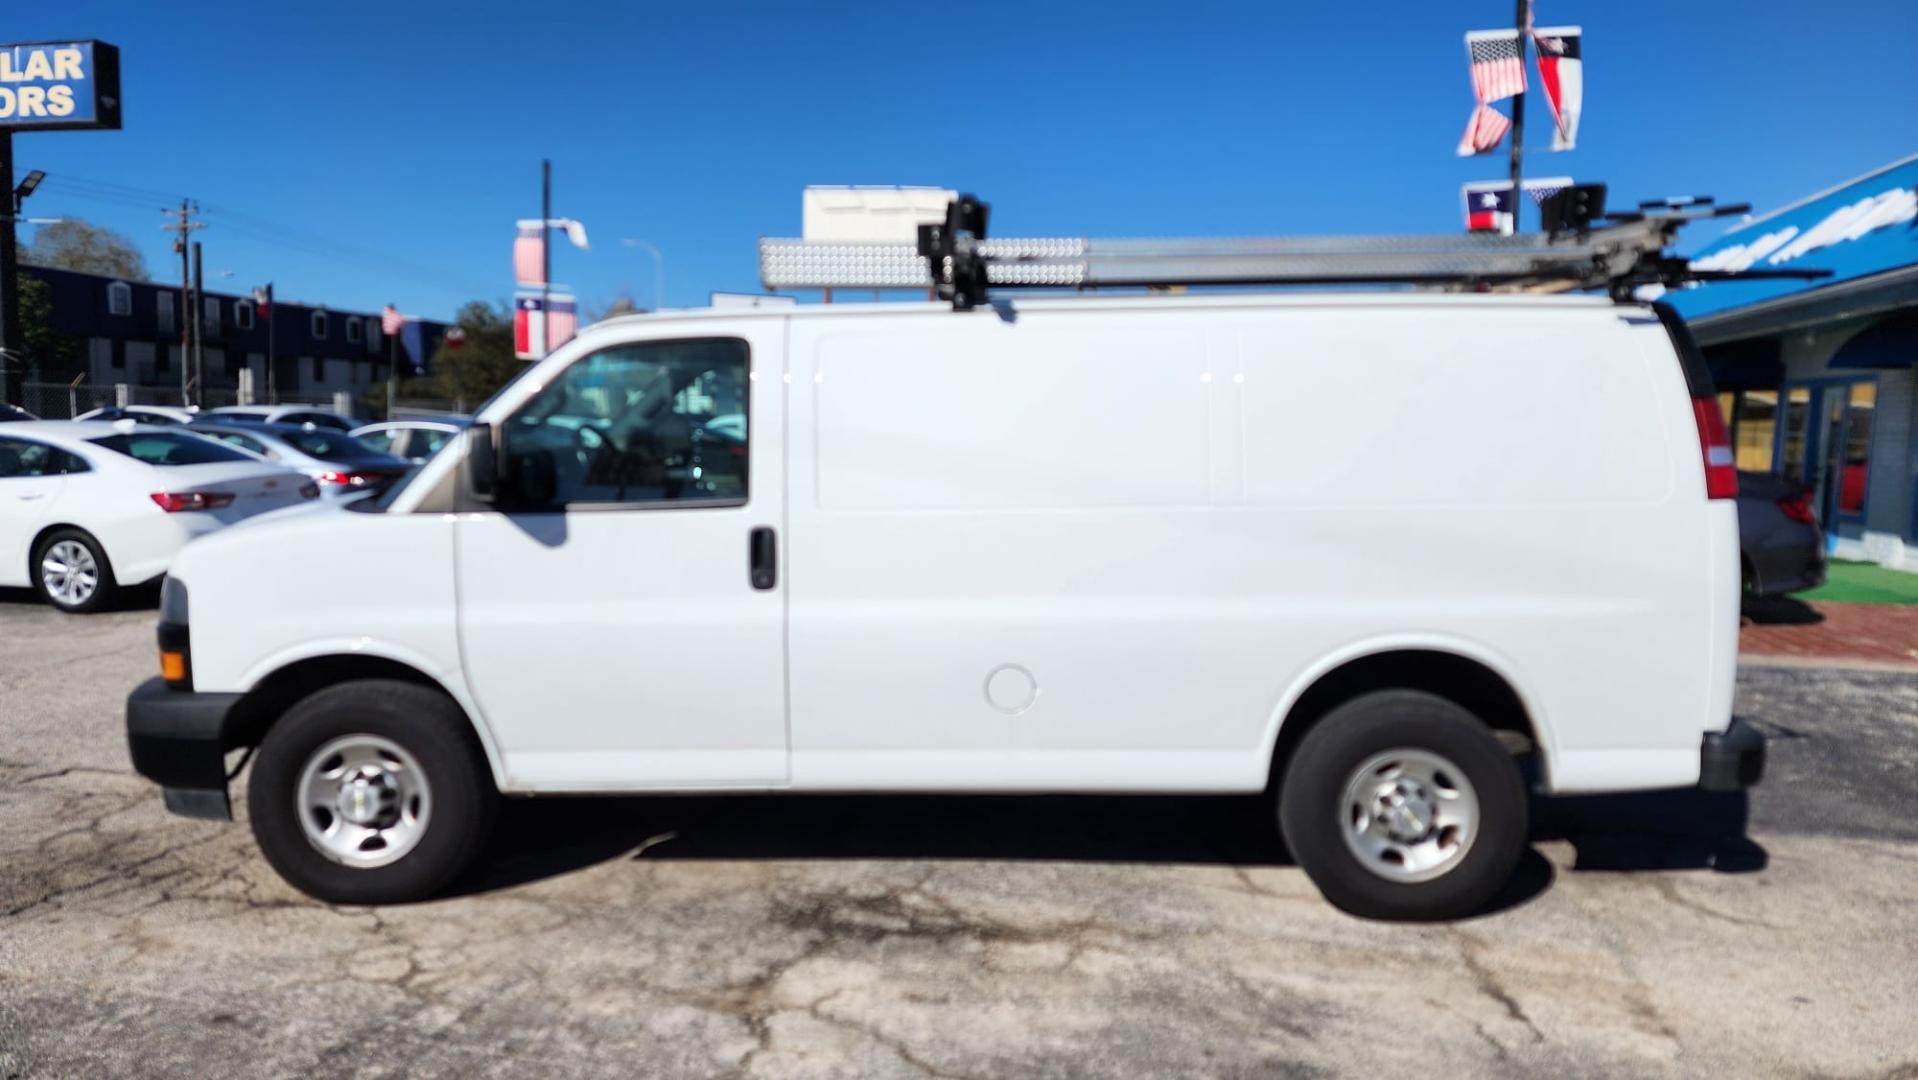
{"x":267,"y":231}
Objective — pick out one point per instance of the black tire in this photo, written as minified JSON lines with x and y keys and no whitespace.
{"x":1312,"y":818}
{"x":426,"y":725}
{"x":104,"y":591}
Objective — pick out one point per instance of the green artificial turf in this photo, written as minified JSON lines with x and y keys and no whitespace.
{"x":1864,"y":583}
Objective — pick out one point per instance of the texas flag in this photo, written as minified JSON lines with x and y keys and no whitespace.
{"x":1488,"y":206}
{"x":529,"y":326}
{"x":1561,"y":70}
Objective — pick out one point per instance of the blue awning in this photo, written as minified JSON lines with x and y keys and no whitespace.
{"x":1861,"y":229}
{"x":1890,"y":342}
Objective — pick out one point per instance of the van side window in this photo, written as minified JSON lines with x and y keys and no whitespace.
{"x":648,"y":423}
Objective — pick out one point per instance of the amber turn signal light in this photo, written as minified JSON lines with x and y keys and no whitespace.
{"x":172,"y":666}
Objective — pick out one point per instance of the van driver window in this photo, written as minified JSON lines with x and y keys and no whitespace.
{"x":650,"y":423}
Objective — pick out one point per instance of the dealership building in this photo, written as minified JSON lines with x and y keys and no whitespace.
{"x":1817,"y":377}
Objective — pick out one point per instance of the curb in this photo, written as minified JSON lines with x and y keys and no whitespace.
{"x":1825,"y":663}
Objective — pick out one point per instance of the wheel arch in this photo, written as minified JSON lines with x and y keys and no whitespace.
{"x":40,"y":537}
{"x":1466,"y":674}
{"x":272,"y":694}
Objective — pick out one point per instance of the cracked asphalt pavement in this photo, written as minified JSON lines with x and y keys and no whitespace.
{"x":1660,"y":935}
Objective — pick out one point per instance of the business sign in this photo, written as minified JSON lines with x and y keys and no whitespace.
{"x":53,"y":85}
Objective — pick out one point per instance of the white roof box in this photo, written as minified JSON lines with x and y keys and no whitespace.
{"x":871,"y":214}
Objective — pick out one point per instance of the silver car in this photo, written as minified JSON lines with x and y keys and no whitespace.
{"x":340,"y":463}
{"x":414,"y":440}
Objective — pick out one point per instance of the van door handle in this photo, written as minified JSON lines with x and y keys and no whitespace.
{"x":763,"y":558}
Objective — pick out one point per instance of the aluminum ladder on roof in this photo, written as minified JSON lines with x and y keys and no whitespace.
{"x":962,"y":264}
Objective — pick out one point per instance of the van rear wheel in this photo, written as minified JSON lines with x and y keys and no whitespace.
{"x":1402,"y":805}
{"x":371,"y":792}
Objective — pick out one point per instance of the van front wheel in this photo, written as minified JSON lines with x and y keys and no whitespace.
{"x":1402,"y":805}
{"x":371,"y":792}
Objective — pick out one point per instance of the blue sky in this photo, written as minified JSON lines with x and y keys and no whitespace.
{"x":359,"y":153}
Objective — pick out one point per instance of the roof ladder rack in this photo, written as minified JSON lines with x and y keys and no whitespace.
{"x":1585,"y":249}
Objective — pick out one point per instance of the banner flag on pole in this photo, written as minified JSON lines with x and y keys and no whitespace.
{"x":1561,"y":71}
{"x":1488,"y":206}
{"x":1488,"y":203}
{"x":1483,"y":131}
{"x":1496,"y":71}
{"x":529,"y":327}
{"x":529,"y":252}
{"x":562,"y":321}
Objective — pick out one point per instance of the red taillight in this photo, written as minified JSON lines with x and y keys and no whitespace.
{"x":345,"y":479}
{"x":1798,"y":508}
{"x":174,"y":502}
{"x":1721,"y":469}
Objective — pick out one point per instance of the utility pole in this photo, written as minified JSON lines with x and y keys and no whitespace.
{"x":185,"y":227}
{"x":545,"y":254}
{"x":199,"y":326}
{"x":13,"y":387}
{"x":1523,"y":23}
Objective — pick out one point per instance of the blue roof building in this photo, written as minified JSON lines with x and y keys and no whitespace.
{"x":1817,"y":377}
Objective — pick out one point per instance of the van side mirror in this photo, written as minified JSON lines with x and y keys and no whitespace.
{"x":535,"y":479}
{"x":482,"y":463}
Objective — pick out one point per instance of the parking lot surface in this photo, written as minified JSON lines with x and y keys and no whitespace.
{"x":1662,"y":935}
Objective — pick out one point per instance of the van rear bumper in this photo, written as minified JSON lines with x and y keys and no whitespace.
{"x":177,"y":739}
{"x":1732,"y":759}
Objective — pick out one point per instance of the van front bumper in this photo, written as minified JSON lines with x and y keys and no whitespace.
{"x":1732,"y":759}
{"x":177,"y":739}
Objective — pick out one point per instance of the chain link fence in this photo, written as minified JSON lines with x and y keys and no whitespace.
{"x":64,"y":401}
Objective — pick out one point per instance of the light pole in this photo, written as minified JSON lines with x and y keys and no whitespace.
{"x":659,"y":280}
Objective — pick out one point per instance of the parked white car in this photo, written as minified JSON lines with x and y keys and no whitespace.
{"x":143,"y":414}
{"x":340,"y":463}
{"x":88,"y":507}
{"x":317,"y":415}
{"x":1380,"y":556}
{"x":414,"y":440}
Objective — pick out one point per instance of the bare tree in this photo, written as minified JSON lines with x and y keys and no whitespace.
{"x":73,"y":244}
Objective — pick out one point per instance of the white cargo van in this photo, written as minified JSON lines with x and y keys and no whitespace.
{"x":1387,"y":557}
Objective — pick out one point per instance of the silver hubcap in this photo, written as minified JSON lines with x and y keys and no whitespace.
{"x":363,"y":801}
{"x":69,"y":573}
{"x":1409,"y":815}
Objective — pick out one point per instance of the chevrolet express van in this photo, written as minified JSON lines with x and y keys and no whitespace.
{"x":1388,"y":558}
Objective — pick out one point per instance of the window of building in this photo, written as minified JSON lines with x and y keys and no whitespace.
{"x":319,"y":326}
{"x":372,"y":330}
{"x":163,"y":306}
{"x":243,"y":314}
{"x":319,"y":369}
{"x":235,"y":362}
{"x":1752,"y":418}
{"x":638,"y":424}
{"x":353,"y":331}
{"x":119,"y":298}
{"x":117,"y":352}
{"x":210,"y":316}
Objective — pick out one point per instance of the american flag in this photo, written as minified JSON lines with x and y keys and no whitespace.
{"x":391,"y":321}
{"x":562,"y":321}
{"x":1483,"y":131}
{"x":1497,"y":72}
{"x":1545,"y":187}
{"x":529,"y":253}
